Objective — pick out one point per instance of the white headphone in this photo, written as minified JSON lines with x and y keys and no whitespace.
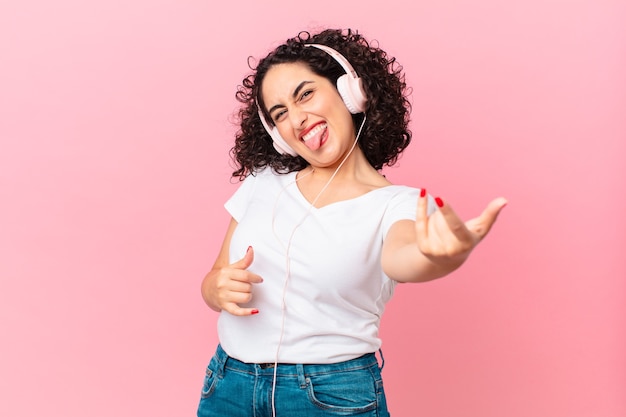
{"x":350,"y":89}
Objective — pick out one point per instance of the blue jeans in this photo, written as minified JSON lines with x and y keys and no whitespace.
{"x":236,"y":389}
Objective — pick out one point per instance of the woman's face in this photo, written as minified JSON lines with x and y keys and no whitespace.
{"x":308,"y":112}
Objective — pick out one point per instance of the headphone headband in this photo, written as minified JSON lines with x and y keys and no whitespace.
{"x":347,"y":67}
{"x":350,"y":89}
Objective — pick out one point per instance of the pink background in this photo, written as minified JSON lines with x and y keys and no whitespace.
{"x":115,"y":128}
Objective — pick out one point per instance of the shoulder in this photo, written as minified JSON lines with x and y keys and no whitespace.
{"x":268,"y":175}
{"x":399,"y":193}
{"x":264,"y":180}
{"x":403,"y":199}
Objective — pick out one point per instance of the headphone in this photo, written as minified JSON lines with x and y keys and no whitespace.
{"x":350,"y":89}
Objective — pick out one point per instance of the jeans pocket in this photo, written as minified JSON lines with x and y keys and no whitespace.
{"x":343,"y":393}
{"x":208,"y":385}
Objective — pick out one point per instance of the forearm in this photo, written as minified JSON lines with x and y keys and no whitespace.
{"x":409,"y":264}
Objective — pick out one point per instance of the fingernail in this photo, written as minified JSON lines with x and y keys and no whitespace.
{"x":423,"y":192}
{"x":439,"y":201}
{"x":248,"y":250}
{"x":253,"y":312}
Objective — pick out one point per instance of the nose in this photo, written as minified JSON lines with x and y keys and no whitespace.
{"x":297,"y":117}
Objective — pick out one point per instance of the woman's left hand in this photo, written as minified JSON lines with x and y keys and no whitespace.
{"x":447,"y":240}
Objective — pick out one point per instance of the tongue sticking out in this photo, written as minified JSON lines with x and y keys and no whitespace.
{"x":315,"y":142}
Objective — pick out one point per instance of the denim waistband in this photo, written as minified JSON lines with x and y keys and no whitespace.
{"x":290,"y":369}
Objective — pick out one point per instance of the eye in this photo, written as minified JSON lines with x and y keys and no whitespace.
{"x":306,"y":94}
{"x":279,"y":115}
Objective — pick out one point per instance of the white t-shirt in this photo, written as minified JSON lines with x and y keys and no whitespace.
{"x":326,"y":263}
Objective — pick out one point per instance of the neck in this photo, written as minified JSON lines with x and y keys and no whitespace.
{"x":351,"y":166}
{"x":349,"y":157}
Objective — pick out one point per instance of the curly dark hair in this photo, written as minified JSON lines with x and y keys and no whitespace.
{"x":385,"y":134}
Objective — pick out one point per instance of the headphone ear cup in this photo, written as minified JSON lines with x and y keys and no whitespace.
{"x":351,"y":91}
{"x":279,"y":143}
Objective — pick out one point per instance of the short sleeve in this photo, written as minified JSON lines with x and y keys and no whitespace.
{"x":238,"y":203}
{"x":403,"y":206}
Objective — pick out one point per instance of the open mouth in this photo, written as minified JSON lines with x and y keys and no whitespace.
{"x":315,"y":137}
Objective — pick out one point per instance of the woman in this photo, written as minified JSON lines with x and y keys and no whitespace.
{"x":319,"y":237}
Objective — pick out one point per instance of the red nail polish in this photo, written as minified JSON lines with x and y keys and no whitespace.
{"x":423,"y":192}
{"x":439,"y":201}
{"x":253,"y":312}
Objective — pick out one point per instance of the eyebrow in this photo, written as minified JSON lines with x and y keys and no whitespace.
{"x":294,"y":95}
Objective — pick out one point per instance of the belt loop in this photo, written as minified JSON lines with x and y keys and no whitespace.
{"x":221,"y":357}
{"x":382,"y":359}
{"x":301,"y":376}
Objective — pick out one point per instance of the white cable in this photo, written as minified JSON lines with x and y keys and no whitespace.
{"x":287,"y":260}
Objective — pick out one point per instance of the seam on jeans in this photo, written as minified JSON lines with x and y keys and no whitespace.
{"x":336,"y":408}
{"x":254,"y":392}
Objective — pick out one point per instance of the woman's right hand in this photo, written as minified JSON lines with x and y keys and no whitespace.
{"x":224,"y":288}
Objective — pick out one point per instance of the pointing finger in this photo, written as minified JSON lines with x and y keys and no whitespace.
{"x":454,"y":222}
{"x":421,"y":218}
